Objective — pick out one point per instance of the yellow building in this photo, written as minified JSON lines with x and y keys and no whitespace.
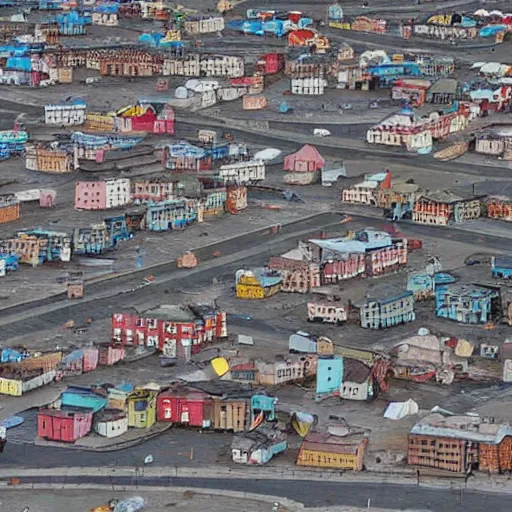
{"x":224,"y":6}
{"x":257,"y":284}
{"x":141,"y":408}
{"x":332,"y":452}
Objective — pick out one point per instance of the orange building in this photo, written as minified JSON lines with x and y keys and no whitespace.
{"x":9,"y":209}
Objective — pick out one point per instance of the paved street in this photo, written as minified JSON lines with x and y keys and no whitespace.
{"x":169,"y":278}
{"x":321,"y":494}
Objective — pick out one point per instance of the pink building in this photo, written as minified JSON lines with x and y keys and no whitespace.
{"x":102,"y":195}
{"x":90,"y":195}
{"x":66,"y":426}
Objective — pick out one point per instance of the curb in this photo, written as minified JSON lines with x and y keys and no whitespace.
{"x":102,"y":449}
{"x":477,"y":483}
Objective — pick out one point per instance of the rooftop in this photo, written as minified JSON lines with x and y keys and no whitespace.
{"x":331,"y":444}
{"x":470,"y":428}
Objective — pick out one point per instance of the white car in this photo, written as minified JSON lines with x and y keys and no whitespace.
{"x":321,"y":132}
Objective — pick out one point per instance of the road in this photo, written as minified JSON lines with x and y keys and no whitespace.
{"x":318,"y":494}
{"x":251,"y":249}
{"x":338,"y":148}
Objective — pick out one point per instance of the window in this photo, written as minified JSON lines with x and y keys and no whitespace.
{"x":140,"y":405}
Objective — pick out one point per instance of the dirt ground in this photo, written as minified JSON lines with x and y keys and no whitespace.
{"x":82,"y":501}
{"x":157,"y":501}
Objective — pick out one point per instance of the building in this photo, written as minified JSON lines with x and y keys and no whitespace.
{"x":282,"y":372}
{"x":203,"y":25}
{"x":173,"y":214}
{"x":259,"y":283}
{"x":443,"y":92}
{"x":185,"y":406}
{"x":48,"y":159}
{"x":299,"y":275}
{"x":146,"y":117}
{"x":243,"y":172}
{"x":349,"y":378}
{"x":38,"y":246}
{"x":230,"y":413}
{"x":303,"y":167}
{"x":327,"y":309}
{"x":83,"y":398}
{"x":412,"y":91}
{"x":16,"y":379}
{"x":65,"y":114}
{"x":331,"y":452}
{"x":9,"y":208}
{"x":102,"y":195}
{"x":258,"y":446}
{"x":440,"y":206}
{"x":8,"y":263}
{"x":499,"y":207}
{"x":111,"y":423}
{"x":141,"y":404}
{"x":236,"y":198}
{"x":460,"y":444}
{"x":125,"y":62}
{"x":506,"y":360}
{"x":110,"y":355}
{"x":387,"y":307}
{"x":66,"y":425}
{"x":366,"y":192}
{"x":405,"y":128}
{"x":468,"y":304}
{"x":176,"y":331}
{"x":398,"y":200}
{"x":501,"y":267}
{"x":368,"y":252}
{"x":243,"y":372}
{"x":155,"y":190}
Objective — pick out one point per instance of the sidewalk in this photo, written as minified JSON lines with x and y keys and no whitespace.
{"x":97,"y":443}
{"x":479,"y":482}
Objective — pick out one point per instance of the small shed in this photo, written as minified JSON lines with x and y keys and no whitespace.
{"x":109,"y":355}
{"x":357,"y":383}
{"x":443,"y":92}
{"x":333,"y":452}
{"x":66,"y":425}
{"x":111,"y":423}
{"x":141,"y":408}
{"x":230,"y":414}
{"x":184,"y":405}
{"x":304,"y":166}
{"x":468,"y":304}
{"x":259,"y":283}
{"x":257,"y":447}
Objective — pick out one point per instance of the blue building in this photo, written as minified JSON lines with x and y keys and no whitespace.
{"x":84,"y":398}
{"x":328,"y":376}
{"x":389,"y":72}
{"x":501,"y":267}
{"x":170,"y":215}
{"x":468,"y":304}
